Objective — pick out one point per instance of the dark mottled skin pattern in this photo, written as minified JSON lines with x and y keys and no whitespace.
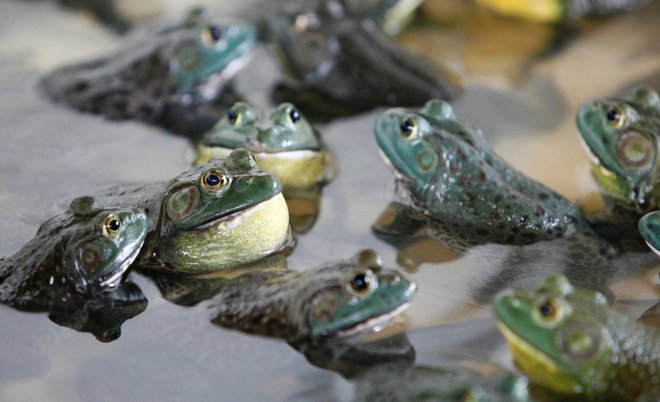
{"x":344,"y":66}
{"x":137,"y":84}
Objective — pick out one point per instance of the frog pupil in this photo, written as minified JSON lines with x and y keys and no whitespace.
{"x":232,"y":116}
{"x":215,"y":32}
{"x":613,"y":115}
{"x":212,"y":180}
{"x":114,"y":225}
{"x":360,"y":282}
{"x":547,"y":310}
{"x":407,"y":126}
{"x":294,"y":115}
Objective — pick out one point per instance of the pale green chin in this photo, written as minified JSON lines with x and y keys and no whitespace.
{"x":239,"y":238}
{"x":294,"y":169}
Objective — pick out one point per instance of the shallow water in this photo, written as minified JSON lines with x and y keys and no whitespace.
{"x":50,"y":154}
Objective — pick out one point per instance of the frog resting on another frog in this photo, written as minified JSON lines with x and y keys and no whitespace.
{"x":569,"y":340}
{"x":447,"y":173}
{"x":214,"y":216}
{"x":284,"y":144}
{"x":176,"y":79}
{"x":78,"y":254}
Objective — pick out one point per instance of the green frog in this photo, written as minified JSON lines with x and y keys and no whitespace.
{"x":447,"y":173}
{"x":621,"y":137}
{"x":335,"y":300}
{"x":81,"y":253}
{"x":214,"y":216}
{"x":649,"y":227}
{"x":338,"y":66}
{"x":571,"y":341}
{"x":178,"y":78}
{"x":284,"y":144}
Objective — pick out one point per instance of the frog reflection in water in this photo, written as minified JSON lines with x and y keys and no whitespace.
{"x":335,"y":300}
{"x":447,"y":172}
{"x":285,"y":145}
{"x":176,"y":79}
{"x":621,"y":137}
{"x":218,"y":215}
{"x":73,"y":268}
{"x":341,"y":66}
{"x":569,"y":340}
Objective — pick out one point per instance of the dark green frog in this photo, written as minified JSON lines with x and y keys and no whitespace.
{"x":176,"y":79}
{"x":78,"y":254}
{"x":221,"y":214}
{"x":338,"y":299}
{"x":569,"y":340}
{"x":339,"y":65}
{"x":448,"y":173}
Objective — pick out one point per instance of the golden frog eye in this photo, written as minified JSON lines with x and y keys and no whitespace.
{"x":211,"y":34}
{"x":550,"y":311}
{"x":409,"y":128}
{"x":214,"y":180}
{"x":111,"y":225}
{"x":294,"y":115}
{"x":234,"y":117}
{"x":362,"y":283}
{"x":615,"y":116}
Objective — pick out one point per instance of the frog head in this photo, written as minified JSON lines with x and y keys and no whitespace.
{"x":649,"y":227}
{"x":354,"y":295}
{"x":101,"y":243}
{"x":223,"y":213}
{"x":621,"y":137}
{"x":558,"y":335}
{"x":202,"y":49}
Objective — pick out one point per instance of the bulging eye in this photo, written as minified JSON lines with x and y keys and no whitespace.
{"x":615,"y":116}
{"x":409,"y":128}
{"x":214,"y":180}
{"x":111,"y":225}
{"x":234,"y":117}
{"x":549,"y":312}
{"x":294,"y":115}
{"x":362,"y":283}
{"x":211,"y":34}
{"x":634,"y":150}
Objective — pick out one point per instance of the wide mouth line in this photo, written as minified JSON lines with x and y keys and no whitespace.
{"x":227,"y":217}
{"x":372,"y":322}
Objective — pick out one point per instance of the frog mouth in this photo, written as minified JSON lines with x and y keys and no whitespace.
{"x":374,"y":323}
{"x":113,"y":278}
{"x":231,"y":220}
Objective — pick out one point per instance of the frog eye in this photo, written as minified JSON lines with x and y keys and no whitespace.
{"x":409,"y":128}
{"x":615,"y":116}
{"x":294,"y":115}
{"x":111,"y":225}
{"x":211,"y":34}
{"x":634,"y":150}
{"x":234,"y":117}
{"x":549,"y":312}
{"x":214,"y":180}
{"x":362,"y":283}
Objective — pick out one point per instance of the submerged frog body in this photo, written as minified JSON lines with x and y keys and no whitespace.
{"x":649,"y":227}
{"x":342,"y":66}
{"x":569,"y":340}
{"x":176,"y":79}
{"x":81,"y":253}
{"x":448,"y":173}
{"x":622,"y":138}
{"x":552,"y":11}
{"x":218,"y":215}
{"x":334,"y":300}
{"x":284,"y":144}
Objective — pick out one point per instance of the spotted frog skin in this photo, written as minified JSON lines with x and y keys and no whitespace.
{"x":218,"y":215}
{"x":335,"y":300}
{"x":176,"y":79}
{"x":283,"y":143}
{"x":569,"y":340}
{"x":81,"y":253}
{"x":341,"y":66}
{"x":621,"y":136}
{"x":550,"y":11}
{"x":447,"y":172}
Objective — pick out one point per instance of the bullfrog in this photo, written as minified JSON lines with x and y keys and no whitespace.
{"x":283,"y":143}
{"x":621,"y":137}
{"x":214,"y":216}
{"x":448,"y":173}
{"x":553,"y":11}
{"x":335,"y":300}
{"x":571,"y":341}
{"x":338,"y":66}
{"x":649,"y":227}
{"x":178,"y":78}
{"x":82,"y":252}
